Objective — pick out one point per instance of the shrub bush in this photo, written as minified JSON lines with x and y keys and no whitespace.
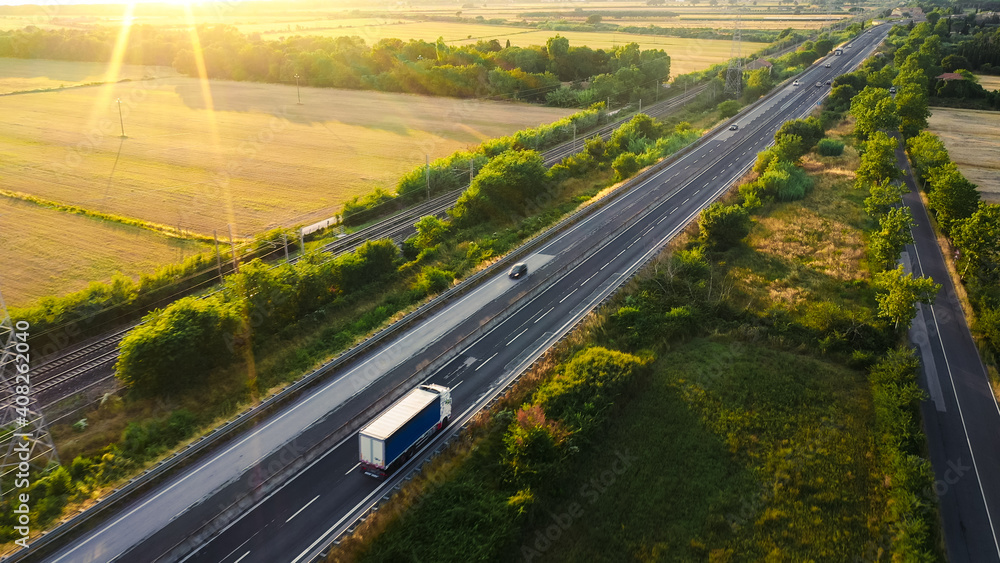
{"x":830,"y":147}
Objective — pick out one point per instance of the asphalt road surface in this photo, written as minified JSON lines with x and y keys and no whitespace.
{"x":961,"y":417}
{"x":568,"y":277}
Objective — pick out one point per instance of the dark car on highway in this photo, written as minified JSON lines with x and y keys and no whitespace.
{"x":518,"y":270}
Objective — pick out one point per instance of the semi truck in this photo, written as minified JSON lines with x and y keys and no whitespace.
{"x":389,"y":440}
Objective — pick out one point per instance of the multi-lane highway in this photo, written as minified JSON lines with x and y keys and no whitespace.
{"x":569,"y":276}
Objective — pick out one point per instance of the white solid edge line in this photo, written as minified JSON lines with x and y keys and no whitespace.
{"x":961,"y":416}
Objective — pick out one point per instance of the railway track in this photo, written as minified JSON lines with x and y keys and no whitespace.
{"x":92,"y":363}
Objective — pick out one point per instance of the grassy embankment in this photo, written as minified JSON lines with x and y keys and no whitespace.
{"x":755,"y":434}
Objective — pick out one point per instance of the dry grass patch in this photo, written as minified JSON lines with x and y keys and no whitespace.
{"x":49,"y":252}
{"x":825,"y":245}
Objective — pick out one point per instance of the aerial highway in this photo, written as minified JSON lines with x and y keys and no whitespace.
{"x":89,"y":365}
{"x":493,"y":333}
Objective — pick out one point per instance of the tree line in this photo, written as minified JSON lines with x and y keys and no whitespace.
{"x":483,"y":69}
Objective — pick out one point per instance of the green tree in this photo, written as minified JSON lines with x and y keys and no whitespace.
{"x":830,"y":147}
{"x":878,"y":162}
{"x":952,"y":63}
{"x":808,"y":129}
{"x":873,"y":110}
{"x":882,"y":197}
{"x":952,"y":197}
{"x":724,"y":226}
{"x":790,"y":147}
{"x":177,"y":347}
{"x":625,"y":165}
{"x":503,"y":188}
{"x":892,"y":235}
{"x":978,"y":238}
{"x":911,"y":104}
{"x":927,"y":152}
{"x":759,"y":82}
{"x":430,"y":231}
{"x":728,"y":109}
{"x":640,"y":127}
{"x":898,"y":293}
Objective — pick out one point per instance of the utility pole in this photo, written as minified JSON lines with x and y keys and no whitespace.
{"x":284,"y":237}
{"x":302,"y":241}
{"x":232,"y":246}
{"x":574,"y":136}
{"x":472,"y":169}
{"x":121,"y":120}
{"x":218,"y":256}
{"x":734,"y":74}
{"x":640,"y":105}
{"x":298,"y":94}
{"x":427,"y":173}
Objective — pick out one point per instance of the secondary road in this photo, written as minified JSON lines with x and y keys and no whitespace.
{"x":962,"y":418}
{"x":569,"y":276}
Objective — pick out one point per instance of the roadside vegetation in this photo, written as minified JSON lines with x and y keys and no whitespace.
{"x":780,"y":398}
{"x":269,"y":325}
{"x":772,"y":410}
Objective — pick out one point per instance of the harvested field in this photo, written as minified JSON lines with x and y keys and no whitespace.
{"x":989,"y":81}
{"x":49,"y":252}
{"x":19,"y":75}
{"x":250,"y":157}
{"x":973,"y":141}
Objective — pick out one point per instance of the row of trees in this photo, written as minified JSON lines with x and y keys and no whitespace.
{"x":176,"y":348}
{"x":486,"y":68}
{"x":973,"y":227}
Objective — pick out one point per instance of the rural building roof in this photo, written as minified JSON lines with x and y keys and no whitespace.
{"x":759,"y":63}
{"x":950,"y":76}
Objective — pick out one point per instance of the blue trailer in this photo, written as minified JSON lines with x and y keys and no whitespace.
{"x":389,"y":440}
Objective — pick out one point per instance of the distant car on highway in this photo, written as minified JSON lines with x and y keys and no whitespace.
{"x":796,"y":83}
{"x":827,"y":65}
{"x":518,"y":270}
{"x":892,"y":89}
{"x":819,"y":84}
{"x":828,"y":83}
{"x":734,"y":127}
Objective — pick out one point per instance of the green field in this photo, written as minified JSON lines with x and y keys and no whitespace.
{"x":50,"y":252}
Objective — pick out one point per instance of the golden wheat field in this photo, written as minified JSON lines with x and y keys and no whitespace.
{"x":972,"y":138}
{"x":240,"y":154}
{"x":49,"y":252}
